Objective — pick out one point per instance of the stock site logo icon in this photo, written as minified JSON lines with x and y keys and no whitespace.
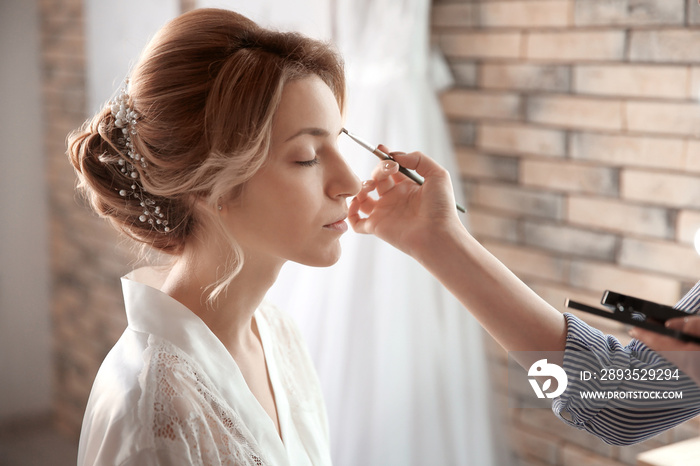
{"x":542,"y":368}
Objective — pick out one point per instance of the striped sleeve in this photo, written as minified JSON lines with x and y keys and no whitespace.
{"x":638,"y":414}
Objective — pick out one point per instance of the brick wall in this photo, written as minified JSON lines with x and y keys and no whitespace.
{"x":576,"y":125}
{"x":87,"y":257}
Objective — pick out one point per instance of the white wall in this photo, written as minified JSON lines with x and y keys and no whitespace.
{"x":116,"y":32}
{"x":310,"y":17}
{"x":25,"y":338}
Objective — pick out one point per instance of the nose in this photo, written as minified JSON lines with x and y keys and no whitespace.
{"x":343,"y":182}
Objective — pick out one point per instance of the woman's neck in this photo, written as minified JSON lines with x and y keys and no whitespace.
{"x":230,"y":317}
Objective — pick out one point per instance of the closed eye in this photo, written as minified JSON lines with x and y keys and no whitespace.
{"x":309,"y":163}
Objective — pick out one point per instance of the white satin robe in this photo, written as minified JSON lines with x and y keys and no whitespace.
{"x":169,"y":392}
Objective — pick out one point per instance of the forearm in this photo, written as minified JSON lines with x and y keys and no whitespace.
{"x":621,"y":421}
{"x":510,"y":311}
{"x":421,"y":221}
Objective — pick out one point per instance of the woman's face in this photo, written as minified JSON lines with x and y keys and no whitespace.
{"x":294,"y":208}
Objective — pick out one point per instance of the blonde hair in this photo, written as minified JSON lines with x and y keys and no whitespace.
{"x":206,"y":89}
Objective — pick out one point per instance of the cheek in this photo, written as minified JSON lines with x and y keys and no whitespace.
{"x":289,"y":204}
{"x":302,"y":196}
{"x":282,"y":189}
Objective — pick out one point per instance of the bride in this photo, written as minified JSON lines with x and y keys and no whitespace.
{"x":221,"y":152}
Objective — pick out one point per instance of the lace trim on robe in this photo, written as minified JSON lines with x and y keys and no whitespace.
{"x":188,"y":418}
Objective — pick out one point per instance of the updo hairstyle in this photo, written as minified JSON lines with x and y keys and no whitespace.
{"x":206,"y":89}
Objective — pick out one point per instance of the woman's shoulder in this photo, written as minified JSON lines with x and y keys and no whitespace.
{"x":141,"y":371}
{"x":170,"y":402}
{"x":117,"y":377}
{"x":133,"y":364}
{"x":111,"y":410}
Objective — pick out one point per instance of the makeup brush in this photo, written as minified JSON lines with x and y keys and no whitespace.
{"x":383,"y":156}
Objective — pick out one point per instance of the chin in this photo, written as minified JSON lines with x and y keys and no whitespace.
{"x":323,"y":260}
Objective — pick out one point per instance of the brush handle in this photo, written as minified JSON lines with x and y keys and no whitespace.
{"x":406,"y":172}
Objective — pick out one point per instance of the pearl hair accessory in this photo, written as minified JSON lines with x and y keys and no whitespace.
{"x":125,"y":118}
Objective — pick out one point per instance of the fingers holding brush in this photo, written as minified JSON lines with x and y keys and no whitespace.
{"x":398,"y":209}
{"x":423,"y":165}
{"x":386,"y":174}
{"x":426,"y":167}
{"x":361,"y":213}
{"x":436,"y":193}
{"x":362,"y":203}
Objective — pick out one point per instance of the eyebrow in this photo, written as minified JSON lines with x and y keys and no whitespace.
{"x":317,"y":132}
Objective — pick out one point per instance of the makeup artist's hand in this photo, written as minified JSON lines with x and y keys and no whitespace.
{"x":685,"y":355}
{"x":404,"y":213}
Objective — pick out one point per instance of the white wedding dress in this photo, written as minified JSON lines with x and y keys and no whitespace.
{"x":401,"y":362}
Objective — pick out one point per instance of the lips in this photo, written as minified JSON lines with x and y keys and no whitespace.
{"x":338,"y":225}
